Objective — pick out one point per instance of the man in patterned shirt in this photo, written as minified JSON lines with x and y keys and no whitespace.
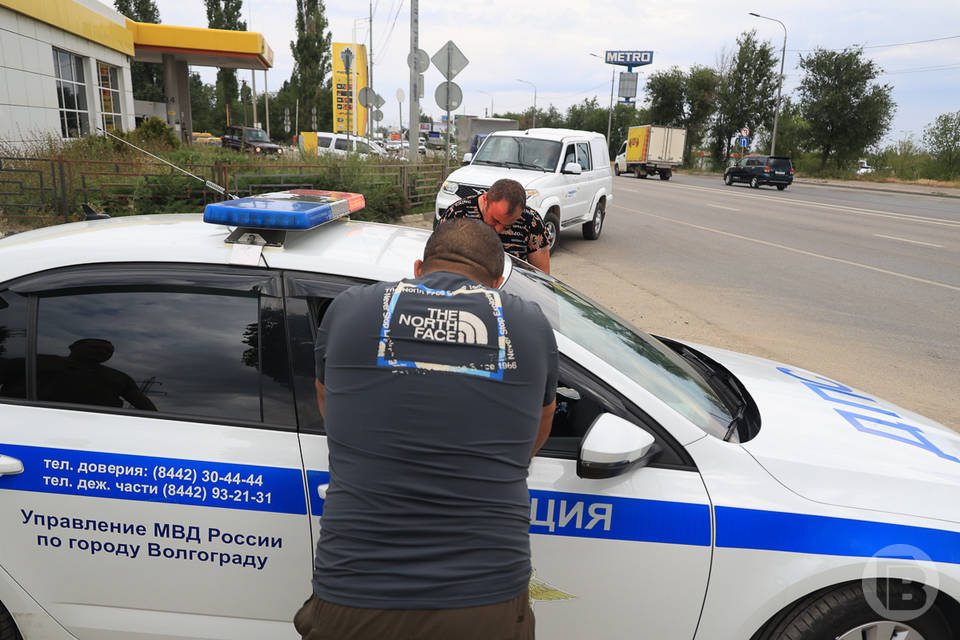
{"x":503,"y":207}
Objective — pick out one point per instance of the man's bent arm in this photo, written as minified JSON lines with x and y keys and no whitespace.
{"x":319,"y":386}
{"x":546,"y":423}
{"x":540,"y":259}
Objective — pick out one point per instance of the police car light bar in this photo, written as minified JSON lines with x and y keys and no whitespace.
{"x":295,"y":209}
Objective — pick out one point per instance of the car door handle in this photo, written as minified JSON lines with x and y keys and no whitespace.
{"x":10,"y":466}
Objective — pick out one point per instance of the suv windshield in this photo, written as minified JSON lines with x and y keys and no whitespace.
{"x":255,"y":135}
{"x":639,"y":356}
{"x":519,"y":153}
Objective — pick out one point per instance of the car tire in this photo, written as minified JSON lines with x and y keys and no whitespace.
{"x":592,"y":229}
{"x":845,"y":614}
{"x":8,"y":629}
{"x":754,"y":182}
{"x":781,"y":187}
{"x":616,"y":169}
{"x":728,"y":180}
{"x":665,"y":174}
{"x":552,"y":223}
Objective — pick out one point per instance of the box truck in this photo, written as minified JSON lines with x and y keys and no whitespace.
{"x":649,"y":150}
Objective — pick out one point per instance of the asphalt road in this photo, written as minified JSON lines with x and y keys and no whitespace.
{"x":860,"y":286}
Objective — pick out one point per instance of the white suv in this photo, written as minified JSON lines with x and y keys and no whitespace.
{"x":566,"y":174}
{"x":342,"y":144}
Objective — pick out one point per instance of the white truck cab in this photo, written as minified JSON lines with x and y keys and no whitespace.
{"x":566,"y":174}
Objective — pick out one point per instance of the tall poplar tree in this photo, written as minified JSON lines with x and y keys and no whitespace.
{"x":225,"y":14}
{"x":312,"y":51}
{"x":147,"y":78}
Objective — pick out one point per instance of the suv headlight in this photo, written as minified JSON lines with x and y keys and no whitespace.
{"x":258,"y":149}
{"x":450,"y":187}
{"x":279,"y":151}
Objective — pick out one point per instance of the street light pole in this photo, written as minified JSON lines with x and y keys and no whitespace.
{"x":783,"y":55}
{"x":613,"y":75}
{"x":534,"y":100}
{"x":487,"y":93}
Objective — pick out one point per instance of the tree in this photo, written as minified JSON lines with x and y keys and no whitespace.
{"x":746,"y":91}
{"x":942,"y":138}
{"x":679,"y":99}
{"x":147,"y":78}
{"x":311,"y":51}
{"x":665,"y":91}
{"x":203,"y":100}
{"x":847,"y":110}
{"x":225,"y":14}
{"x":791,"y":131}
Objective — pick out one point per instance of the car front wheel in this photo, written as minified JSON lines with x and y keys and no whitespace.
{"x":616,"y":169}
{"x":591,"y":230}
{"x":850,"y":613}
{"x":728,"y":179}
{"x":754,"y":182}
{"x":552,"y":223}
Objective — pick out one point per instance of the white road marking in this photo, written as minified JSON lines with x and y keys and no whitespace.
{"x":717,"y":206}
{"x":795,"y":250}
{"x":734,"y":193}
{"x":928,"y":244}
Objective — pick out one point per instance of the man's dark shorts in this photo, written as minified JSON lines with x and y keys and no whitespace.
{"x":322,"y":620}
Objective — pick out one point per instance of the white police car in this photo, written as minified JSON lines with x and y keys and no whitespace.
{"x":162,"y":458}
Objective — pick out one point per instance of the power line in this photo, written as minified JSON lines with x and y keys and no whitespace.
{"x":942,"y":67}
{"x":383,"y":45}
{"x":881,"y":46}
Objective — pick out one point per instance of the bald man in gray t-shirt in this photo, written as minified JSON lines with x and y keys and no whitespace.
{"x":436,"y":393}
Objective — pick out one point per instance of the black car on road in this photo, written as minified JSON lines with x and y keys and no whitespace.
{"x":249,"y":139}
{"x":757,"y":170}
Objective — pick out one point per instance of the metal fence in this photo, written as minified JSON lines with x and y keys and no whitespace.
{"x":43,"y":191}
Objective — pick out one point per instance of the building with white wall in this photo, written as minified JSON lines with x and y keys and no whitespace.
{"x":65,"y":67}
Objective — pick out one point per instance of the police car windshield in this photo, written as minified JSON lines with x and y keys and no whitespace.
{"x":519,"y":153}
{"x":639,"y":356}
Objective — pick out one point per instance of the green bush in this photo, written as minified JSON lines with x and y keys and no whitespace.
{"x":154,"y":133}
{"x":168,"y":194}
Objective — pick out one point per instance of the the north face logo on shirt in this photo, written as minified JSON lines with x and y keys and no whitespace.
{"x":446,"y":325}
{"x":425,"y":329}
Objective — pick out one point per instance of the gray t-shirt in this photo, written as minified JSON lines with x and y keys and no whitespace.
{"x":434,"y":389}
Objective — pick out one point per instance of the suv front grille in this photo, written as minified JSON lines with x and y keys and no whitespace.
{"x":467,"y":190}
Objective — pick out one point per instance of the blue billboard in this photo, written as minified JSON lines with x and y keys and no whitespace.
{"x":629,"y":58}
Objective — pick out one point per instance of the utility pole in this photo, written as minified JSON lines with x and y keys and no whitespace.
{"x":370,"y":72}
{"x":413,"y":130}
{"x":253,"y":77}
{"x":266,"y":101}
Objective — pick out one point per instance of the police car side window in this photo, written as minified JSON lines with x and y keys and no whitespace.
{"x":152,"y":351}
{"x":166,"y":341}
{"x":307,"y":298}
{"x":13,"y":323}
{"x":581,"y":398}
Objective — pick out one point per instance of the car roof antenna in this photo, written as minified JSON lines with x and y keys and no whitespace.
{"x":213,"y":186}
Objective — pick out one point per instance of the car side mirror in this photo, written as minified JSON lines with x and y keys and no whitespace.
{"x":467,"y":157}
{"x":572,"y":167}
{"x":612,"y":446}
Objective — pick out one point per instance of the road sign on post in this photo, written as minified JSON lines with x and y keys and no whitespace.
{"x":744,"y":141}
{"x":365,"y":97}
{"x":450,"y":61}
{"x":745,"y":131}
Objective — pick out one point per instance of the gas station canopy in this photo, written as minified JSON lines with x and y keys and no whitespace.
{"x":200,"y":47}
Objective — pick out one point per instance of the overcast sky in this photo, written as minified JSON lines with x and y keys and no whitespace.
{"x":549,"y":42}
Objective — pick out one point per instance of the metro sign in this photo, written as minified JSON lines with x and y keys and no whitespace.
{"x":629,"y":58}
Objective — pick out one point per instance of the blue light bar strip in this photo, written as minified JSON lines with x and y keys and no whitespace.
{"x":295,"y":210}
